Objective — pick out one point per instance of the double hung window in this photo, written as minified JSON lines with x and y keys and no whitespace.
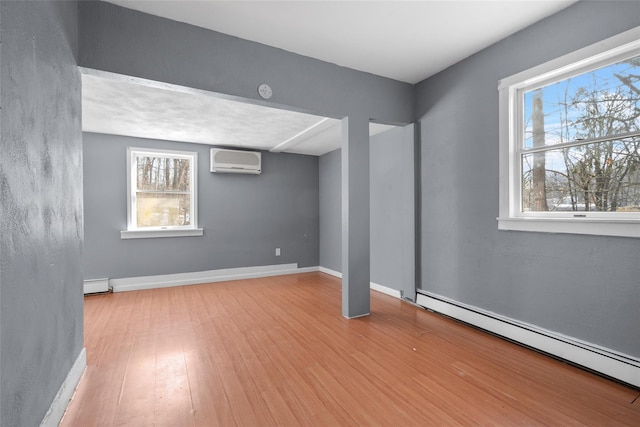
{"x":570,"y":143}
{"x":161,"y":193}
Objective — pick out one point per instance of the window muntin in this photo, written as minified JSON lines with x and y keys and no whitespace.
{"x":162,"y":190}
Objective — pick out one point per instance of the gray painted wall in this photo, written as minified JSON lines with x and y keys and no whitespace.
{"x":136,"y":44}
{"x":41,"y":207}
{"x":330,"y":211}
{"x":245,"y":217}
{"x":391,"y":210}
{"x":585,"y":287}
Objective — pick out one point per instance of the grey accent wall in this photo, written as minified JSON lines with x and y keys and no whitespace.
{"x":330,"y":211}
{"x":245,"y":217}
{"x":41,"y":329}
{"x":391,"y":210}
{"x":585,"y":287}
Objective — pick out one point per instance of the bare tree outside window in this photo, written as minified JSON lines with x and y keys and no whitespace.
{"x":162,"y":190}
{"x":582,"y":142}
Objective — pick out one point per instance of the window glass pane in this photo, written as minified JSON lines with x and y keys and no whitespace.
{"x":162,"y":173}
{"x":592,"y":177}
{"x":162,"y":209}
{"x":599,"y":103}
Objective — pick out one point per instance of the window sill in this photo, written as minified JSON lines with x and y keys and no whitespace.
{"x":590,"y":226}
{"x":149,"y":234}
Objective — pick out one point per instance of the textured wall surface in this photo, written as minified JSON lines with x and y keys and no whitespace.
{"x":586,"y":287}
{"x":41,"y":207}
{"x":245,"y":217}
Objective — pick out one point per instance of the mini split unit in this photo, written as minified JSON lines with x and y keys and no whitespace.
{"x":235,"y":161}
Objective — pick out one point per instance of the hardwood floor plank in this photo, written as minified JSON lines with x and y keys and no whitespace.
{"x":398,"y":383}
{"x":277,"y":352}
{"x":282,"y":412}
{"x":172,"y":403}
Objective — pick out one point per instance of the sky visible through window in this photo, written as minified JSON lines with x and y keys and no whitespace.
{"x":601,"y":108}
{"x":567,"y":101}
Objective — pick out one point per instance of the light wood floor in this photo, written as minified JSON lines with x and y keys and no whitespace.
{"x":277,"y":351}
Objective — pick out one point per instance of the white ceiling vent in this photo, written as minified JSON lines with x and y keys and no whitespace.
{"x":235,"y":161}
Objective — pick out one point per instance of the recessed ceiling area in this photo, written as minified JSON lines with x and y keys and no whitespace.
{"x":118,"y":105}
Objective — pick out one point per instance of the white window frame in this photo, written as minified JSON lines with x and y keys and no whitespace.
{"x":134,"y":232}
{"x":511,"y":106}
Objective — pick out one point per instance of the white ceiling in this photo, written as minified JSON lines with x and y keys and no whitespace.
{"x":402,"y":40}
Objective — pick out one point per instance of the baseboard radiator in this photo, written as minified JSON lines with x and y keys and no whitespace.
{"x":610,"y":363}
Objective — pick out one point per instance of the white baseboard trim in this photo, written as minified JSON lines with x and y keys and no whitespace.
{"x":386,"y":290}
{"x":198,"y":277}
{"x":59,"y":405}
{"x":616,"y":365}
{"x":357,"y":317}
{"x":94,"y":286}
{"x":330,"y":272}
{"x":375,"y":286}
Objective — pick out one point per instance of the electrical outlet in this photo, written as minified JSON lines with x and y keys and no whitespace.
{"x":277,"y":251}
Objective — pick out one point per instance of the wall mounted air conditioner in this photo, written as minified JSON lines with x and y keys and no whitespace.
{"x":235,"y":161}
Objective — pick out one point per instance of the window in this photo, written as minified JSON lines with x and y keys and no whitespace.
{"x":570,"y":143}
{"x":161,"y":194}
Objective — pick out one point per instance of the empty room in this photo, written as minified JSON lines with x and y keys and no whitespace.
{"x":256,"y":213}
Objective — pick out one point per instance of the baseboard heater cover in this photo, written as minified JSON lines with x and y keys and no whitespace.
{"x":605,"y":361}
{"x":95,"y":286}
